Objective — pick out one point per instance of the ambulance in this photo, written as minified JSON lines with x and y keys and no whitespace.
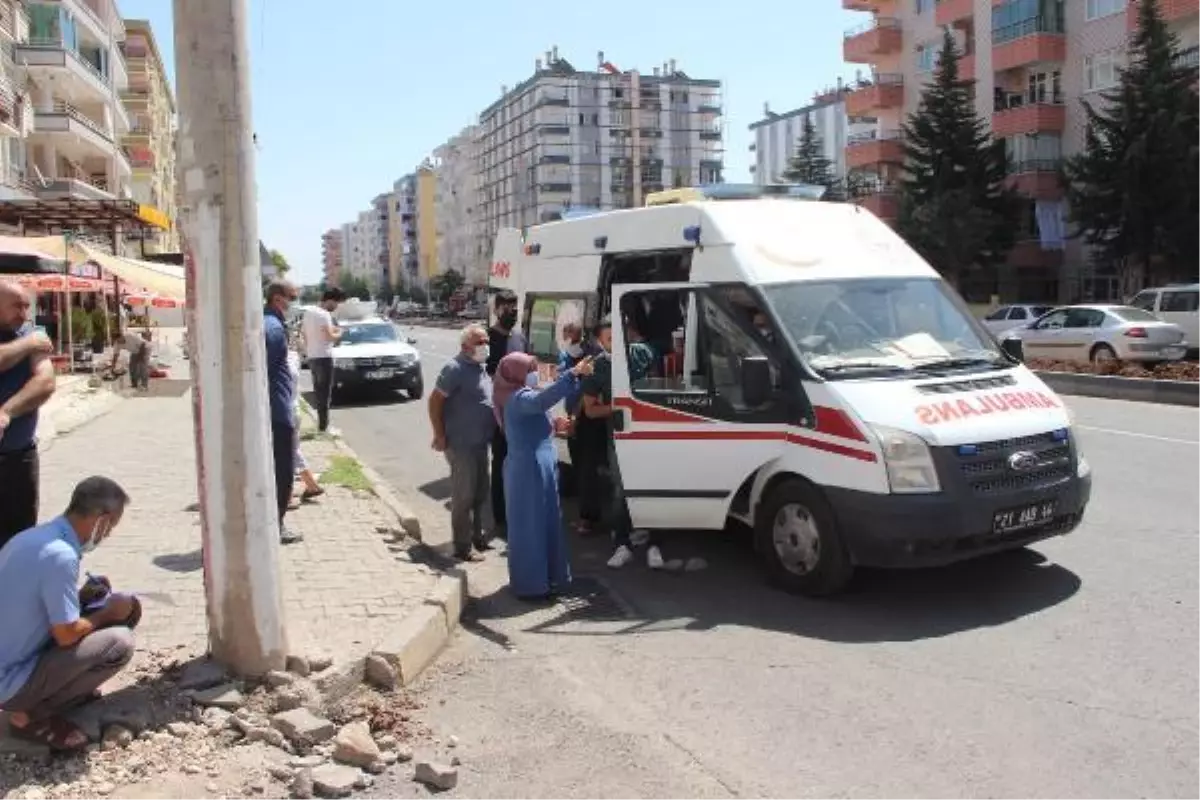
{"x":816,"y":380}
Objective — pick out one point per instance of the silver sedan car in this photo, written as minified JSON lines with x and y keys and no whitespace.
{"x":1100,"y":333}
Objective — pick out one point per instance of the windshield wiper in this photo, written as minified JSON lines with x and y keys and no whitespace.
{"x":861,"y":366}
{"x":962,"y":361}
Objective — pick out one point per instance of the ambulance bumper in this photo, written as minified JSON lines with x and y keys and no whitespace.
{"x":896,"y":530}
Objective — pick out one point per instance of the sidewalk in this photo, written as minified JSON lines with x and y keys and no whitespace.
{"x":344,"y":586}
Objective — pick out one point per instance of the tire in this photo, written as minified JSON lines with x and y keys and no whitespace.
{"x":815,"y":568}
{"x":1103,"y":352}
{"x":417,"y":391}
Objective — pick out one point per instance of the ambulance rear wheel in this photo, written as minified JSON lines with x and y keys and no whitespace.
{"x":797,"y":538}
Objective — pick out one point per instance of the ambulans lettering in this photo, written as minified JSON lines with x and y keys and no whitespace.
{"x":982,"y":405}
{"x":501,"y":269}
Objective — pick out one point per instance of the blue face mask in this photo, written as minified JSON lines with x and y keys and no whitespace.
{"x":531,"y":380}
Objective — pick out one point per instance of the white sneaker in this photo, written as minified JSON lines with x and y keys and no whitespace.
{"x":654,"y":558}
{"x":621,"y":557}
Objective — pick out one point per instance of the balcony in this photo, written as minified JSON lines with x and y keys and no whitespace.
{"x":950,"y":12}
{"x":1169,"y":10}
{"x":1029,"y":118}
{"x":1030,"y":41}
{"x":883,"y":203}
{"x":76,"y":78}
{"x":880,"y":36}
{"x":78,"y":135}
{"x":860,"y":5}
{"x":868,"y":149}
{"x":1037,"y":178}
{"x":141,"y":158}
{"x":8,"y":23}
{"x":1028,"y":254}
{"x":85,"y":188}
{"x":885,"y":91}
{"x":966,"y":67}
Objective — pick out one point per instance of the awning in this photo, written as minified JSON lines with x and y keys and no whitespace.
{"x":164,"y":280}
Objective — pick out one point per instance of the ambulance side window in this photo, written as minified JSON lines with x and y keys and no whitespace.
{"x":729,"y":346}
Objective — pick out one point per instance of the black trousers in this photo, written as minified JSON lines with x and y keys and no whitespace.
{"x":322,"y":376}
{"x":283,"y":447}
{"x":499,"y":453}
{"x":590,"y":456}
{"x":18,"y":492}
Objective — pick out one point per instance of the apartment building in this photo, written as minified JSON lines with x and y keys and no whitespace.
{"x":377,"y":240}
{"x":455,"y":199}
{"x":16,"y":112}
{"x":150,"y":142}
{"x":777,"y":135}
{"x":75,"y":74}
{"x":427,"y":231}
{"x":1034,"y":62}
{"x":402,"y":232}
{"x":331,"y":256}
{"x":569,"y":138}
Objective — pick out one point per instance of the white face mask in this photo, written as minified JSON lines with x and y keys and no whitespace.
{"x":574,"y":349}
{"x":531,"y":380}
{"x":93,"y":541}
{"x":481,"y":353}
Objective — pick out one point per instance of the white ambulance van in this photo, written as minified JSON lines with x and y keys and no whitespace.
{"x":816,"y":380}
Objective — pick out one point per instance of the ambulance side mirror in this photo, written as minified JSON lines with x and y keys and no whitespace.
{"x":756,"y":381}
{"x":1012,"y":347}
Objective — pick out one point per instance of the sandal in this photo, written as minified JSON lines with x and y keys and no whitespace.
{"x":60,"y":735}
{"x":311,"y":494}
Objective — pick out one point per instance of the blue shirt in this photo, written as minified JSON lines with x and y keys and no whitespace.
{"x":468,"y":416}
{"x":281,"y":385}
{"x":39,"y":588}
{"x":21,"y":432}
{"x":567,"y":362}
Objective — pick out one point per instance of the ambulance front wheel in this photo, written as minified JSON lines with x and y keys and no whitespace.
{"x":797,"y":538}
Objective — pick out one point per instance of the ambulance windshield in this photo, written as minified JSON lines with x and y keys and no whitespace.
{"x":848,"y":328}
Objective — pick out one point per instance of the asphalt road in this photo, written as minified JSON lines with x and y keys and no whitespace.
{"x":1069,"y":670}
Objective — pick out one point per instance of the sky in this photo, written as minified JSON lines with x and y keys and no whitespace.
{"x":344,"y":104}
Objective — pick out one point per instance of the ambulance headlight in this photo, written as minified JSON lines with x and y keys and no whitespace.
{"x":909,"y":463}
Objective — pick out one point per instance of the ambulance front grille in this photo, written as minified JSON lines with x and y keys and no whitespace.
{"x":972,"y":385}
{"x":987,"y":471}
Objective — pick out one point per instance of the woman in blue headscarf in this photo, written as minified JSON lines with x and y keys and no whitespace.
{"x":538,"y":565}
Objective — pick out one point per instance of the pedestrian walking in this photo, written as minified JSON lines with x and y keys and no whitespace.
{"x":139,"y":358}
{"x":461,"y":415}
{"x":538,"y":564}
{"x":26,"y":383}
{"x":59,"y":643}
{"x":320,"y":335}
{"x":312,"y":489}
{"x":503,"y":338}
{"x":281,"y":389}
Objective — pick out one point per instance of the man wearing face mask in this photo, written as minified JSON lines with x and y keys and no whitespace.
{"x":572,"y":353}
{"x":54,"y":655}
{"x":461,"y":415}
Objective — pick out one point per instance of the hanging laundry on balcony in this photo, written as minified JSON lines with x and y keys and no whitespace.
{"x":1052,"y":224}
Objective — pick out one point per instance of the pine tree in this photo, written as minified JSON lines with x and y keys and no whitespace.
{"x":955,"y":209}
{"x":809,"y":166}
{"x":1132,"y":192}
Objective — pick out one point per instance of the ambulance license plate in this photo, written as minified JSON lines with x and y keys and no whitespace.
{"x":1024,"y":518}
{"x":380,"y":374}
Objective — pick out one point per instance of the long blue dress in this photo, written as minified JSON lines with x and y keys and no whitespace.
{"x":537,"y":552}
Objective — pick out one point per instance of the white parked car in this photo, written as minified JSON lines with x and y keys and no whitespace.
{"x":1178,"y":304}
{"x":372,"y":355}
{"x":1006,"y":317}
{"x":1101,"y":333}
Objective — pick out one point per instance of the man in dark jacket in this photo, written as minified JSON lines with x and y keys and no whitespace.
{"x":281,"y":390}
{"x":501,"y":341}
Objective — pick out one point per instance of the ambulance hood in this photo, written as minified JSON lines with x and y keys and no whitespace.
{"x":965,"y":409}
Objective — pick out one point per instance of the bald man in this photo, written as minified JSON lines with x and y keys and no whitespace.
{"x":26,"y":383}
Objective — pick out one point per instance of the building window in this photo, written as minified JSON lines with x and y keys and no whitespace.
{"x":1103,"y":8}
{"x":1045,"y":87}
{"x":924,"y":5}
{"x":927,"y":57}
{"x":1102,"y":70}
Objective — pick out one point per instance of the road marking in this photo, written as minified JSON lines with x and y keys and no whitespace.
{"x":1138,"y":435}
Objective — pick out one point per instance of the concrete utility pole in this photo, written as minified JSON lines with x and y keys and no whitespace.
{"x":238,"y":516}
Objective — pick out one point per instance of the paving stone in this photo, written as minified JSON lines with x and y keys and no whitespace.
{"x":379,"y":673}
{"x":442,"y":777}
{"x":303,"y":726}
{"x":202,"y":674}
{"x":225,"y":696}
{"x":334,"y":780}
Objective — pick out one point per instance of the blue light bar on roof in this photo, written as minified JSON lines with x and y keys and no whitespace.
{"x":751,"y":191}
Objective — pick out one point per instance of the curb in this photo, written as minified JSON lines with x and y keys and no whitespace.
{"x":420,"y":635}
{"x":1112,"y":387}
{"x":55,"y":418}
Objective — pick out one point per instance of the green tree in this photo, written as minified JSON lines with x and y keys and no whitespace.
{"x":444,"y":285}
{"x":279,"y":261}
{"x":1132,"y":192}
{"x":355,"y":287}
{"x":955,"y":209}
{"x":809,"y":166}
